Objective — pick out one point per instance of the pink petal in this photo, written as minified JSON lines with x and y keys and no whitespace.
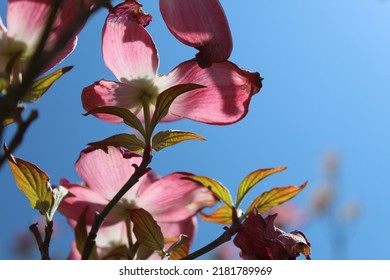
{"x":173,"y":230}
{"x":108,"y":93}
{"x":78,"y":199}
{"x":201,"y":24}
{"x":106,"y":172}
{"x":225,"y":99}
{"x":128,"y":50}
{"x":107,"y":239}
{"x":173,"y":199}
{"x":26,"y":21}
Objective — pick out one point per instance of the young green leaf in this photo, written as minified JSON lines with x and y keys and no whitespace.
{"x":168,"y":138}
{"x":166,"y":98}
{"x":215,"y":187}
{"x":252,"y":179}
{"x":274,"y":197}
{"x":42,"y":85}
{"x":128,"y":117}
{"x":128,"y":141}
{"x":58,"y":195}
{"x":33,"y":182}
{"x":81,"y":235}
{"x":223,"y":215}
{"x":146,"y":229}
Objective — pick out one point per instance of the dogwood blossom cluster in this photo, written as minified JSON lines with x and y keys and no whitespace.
{"x":122,"y":209}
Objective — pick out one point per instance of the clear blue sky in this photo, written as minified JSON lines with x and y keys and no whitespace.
{"x":326,"y":69}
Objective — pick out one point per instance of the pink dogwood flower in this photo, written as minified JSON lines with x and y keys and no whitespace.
{"x":201,"y":24}
{"x":26,"y":21}
{"x":172,"y":201}
{"x":130,"y":53}
{"x":260,"y":239}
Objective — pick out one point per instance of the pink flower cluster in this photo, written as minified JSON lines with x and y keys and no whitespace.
{"x":130,"y":53}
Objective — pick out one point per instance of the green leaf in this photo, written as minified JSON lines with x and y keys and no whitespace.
{"x":274,"y":197}
{"x":168,"y":138}
{"x":33,"y":182}
{"x":165,"y":99}
{"x":128,"y":117}
{"x":146,"y":230}
{"x":81,"y":235}
{"x":128,"y":141}
{"x":221,"y":192}
{"x":42,"y":85}
{"x":223,"y":215}
{"x":252,"y":179}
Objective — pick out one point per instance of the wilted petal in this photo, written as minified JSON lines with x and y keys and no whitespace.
{"x":108,"y":93}
{"x":172,"y":198}
{"x":201,"y":24}
{"x":224,"y":100}
{"x":260,"y":239}
{"x":128,"y":50}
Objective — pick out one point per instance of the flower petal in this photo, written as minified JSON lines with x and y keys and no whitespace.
{"x":128,"y":49}
{"x":201,"y":24}
{"x":172,"y":199}
{"x":224,"y":100}
{"x":26,"y":21}
{"x":105,"y":172}
{"x":107,"y":239}
{"x":108,"y":93}
{"x":79,"y":198}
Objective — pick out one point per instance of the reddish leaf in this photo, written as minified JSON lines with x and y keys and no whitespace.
{"x":146,"y":230}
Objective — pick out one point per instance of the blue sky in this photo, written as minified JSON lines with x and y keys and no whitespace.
{"x":326,"y":88}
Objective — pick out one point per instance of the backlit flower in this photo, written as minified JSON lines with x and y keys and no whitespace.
{"x":130,"y":53}
{"x":26,"y":21}
{"x":201,"y":24}
{"x":171,"y":201}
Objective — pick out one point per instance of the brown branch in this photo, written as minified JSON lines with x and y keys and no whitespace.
{"x":43,"y":245}
{"x":140,"y":171}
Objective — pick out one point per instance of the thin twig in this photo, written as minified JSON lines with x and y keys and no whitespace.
{"x":43,"y":245}
{"x":19,"y":135}
{"x":223,"y":238}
